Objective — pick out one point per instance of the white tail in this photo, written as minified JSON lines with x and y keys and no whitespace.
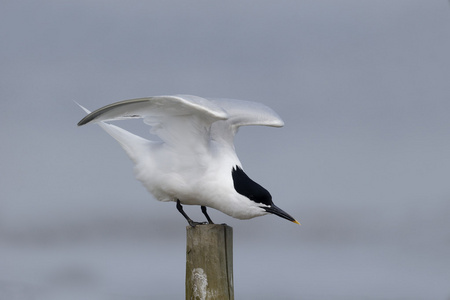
{"x":134,"y":145}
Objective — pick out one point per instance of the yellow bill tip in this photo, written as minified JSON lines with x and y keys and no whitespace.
{"x":296,"y":222}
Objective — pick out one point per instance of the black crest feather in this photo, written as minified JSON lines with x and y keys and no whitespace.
{"x":248,"y":188}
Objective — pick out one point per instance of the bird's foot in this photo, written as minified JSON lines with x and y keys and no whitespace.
{"x":193,"y":223}
{"x":206,"y":215}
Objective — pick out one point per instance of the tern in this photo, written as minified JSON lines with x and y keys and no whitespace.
{"x":194,"y":160}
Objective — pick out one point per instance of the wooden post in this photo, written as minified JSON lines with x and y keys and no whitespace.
{"x":209,"y":262}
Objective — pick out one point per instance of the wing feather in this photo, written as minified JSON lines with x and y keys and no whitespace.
{"x":188,"y":122}
{"x":156,"y":106}
{"x":242,"y":113}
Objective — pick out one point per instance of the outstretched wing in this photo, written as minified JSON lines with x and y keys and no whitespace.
{"x":180,"y":121}
{"x":156,"y":106}
{"x":189,"y":122}
{"x":242,"y":113}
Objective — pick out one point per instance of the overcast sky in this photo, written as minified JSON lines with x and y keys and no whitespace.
{"x":363,"y":161}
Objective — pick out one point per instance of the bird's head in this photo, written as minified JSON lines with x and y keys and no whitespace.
{"x":256,"y":193}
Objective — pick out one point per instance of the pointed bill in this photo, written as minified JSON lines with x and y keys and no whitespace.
{"x":281,"y":213}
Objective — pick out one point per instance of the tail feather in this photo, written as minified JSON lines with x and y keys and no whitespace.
{"x":134,"y":145}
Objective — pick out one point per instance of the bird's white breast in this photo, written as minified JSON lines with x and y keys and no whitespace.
{"x":202,"y":179}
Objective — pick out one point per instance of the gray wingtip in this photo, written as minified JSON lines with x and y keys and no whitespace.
{"x":85,"y":119}
{"x":82,"y":122}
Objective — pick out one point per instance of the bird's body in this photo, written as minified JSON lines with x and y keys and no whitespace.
{"x":194,"y":162}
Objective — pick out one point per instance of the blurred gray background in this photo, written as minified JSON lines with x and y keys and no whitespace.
{"x":363,"y":161}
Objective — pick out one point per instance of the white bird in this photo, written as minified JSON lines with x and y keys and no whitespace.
{"x":195,"y":162}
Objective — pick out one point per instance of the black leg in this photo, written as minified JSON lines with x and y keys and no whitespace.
{"x":206,"y":215}
{"x":180,"y":209}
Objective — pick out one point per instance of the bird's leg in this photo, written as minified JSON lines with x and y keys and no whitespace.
{"x":180,"y":209}
{"x":206,"y":215}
